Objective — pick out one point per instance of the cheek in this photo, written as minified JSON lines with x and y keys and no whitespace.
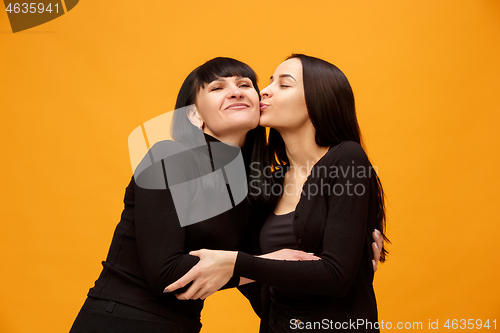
{"x":292,"y":110}
{"x":289,"y":103}
{"x":297,"y":103}
{"x":254,"y":98}
{"x":209,"y":109}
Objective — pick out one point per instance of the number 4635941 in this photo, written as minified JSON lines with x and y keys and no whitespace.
{"x":470,"y":324}
{"x":31,"y":8}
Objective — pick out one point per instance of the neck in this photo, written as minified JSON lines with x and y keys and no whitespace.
{"x":236,"y":138}
{"x":301,"y":148}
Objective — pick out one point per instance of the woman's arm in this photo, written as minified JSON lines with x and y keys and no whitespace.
{"x":159,"y":235}
{"x":343,"y":239}
{"x":343,"y":242}
{"x":216,"y":268}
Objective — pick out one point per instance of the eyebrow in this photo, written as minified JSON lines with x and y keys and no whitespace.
{"x":284,"y":75}
{"x":237,"y":78}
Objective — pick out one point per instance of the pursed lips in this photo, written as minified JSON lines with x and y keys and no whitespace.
{"x":263,"y":106}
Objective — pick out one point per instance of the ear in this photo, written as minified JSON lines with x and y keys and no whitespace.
{"x":194,"y":116}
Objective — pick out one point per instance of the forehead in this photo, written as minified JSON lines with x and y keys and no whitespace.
{"x":291,"y":66}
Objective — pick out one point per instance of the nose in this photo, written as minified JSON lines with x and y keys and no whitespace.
{"x":266,"y":92}
{"x":236,"y":93}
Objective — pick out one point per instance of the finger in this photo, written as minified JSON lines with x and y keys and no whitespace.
{"x":181,"y":297}
{"x":190,"y":292}
{"x":196,"y":253}
{"x":376,"y":252}
{"x":311,"y":257}
{"x":199,"y":293}
{"x":182,"y":282}
{"x":206,"y":295}
{"x":379,"y":239}
{"x":375,"y":266}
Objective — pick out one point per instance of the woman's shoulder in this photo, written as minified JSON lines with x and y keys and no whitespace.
{"x":166,"y":148}
{"x":164,"y":158}
{"x":346,"y":152}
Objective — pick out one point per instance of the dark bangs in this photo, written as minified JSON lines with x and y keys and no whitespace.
{"x":223,"y":67}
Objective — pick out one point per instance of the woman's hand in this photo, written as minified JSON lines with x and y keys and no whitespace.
{"x":377,"y":248}
{"x":288,"y":254}
{"x":283,"y":254}
{"x":211,"y":273}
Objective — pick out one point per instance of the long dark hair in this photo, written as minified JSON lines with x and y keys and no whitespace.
{"x":182,"y":130}
{"x":330,"y":105}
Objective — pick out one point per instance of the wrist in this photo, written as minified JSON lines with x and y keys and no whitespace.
{"x":231,"y":260}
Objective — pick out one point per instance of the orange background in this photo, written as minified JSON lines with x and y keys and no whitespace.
{"x":426,"y":79}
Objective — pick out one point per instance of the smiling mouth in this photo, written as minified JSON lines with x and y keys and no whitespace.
{"x":237,"y":106}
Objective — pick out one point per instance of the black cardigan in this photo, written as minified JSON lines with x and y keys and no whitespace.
{"x":149,"y":249}
{"x":336,"y":227}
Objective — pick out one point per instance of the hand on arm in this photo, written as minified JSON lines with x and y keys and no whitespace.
{"x":215,"y":268}
{"x":159,"y":235}
{"x":288,"y":254}
{"x":213,"y":271}
{"x":344,"y":238}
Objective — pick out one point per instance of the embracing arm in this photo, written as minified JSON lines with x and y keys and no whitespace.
{"x":160,"y":237}
{"x":344,"y":239}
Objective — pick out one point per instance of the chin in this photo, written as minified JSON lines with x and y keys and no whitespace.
{"x":246,"y":121}
{"x":264,"y":122}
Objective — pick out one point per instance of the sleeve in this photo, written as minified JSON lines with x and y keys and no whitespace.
{"x":160,"y":237}
{"x":343,"y":239}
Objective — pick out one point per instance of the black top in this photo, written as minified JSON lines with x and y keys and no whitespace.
{"x":149,"y":250}
{"x":276,"y":234}
{"x":334,"y":219}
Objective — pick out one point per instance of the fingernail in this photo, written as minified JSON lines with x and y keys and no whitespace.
{"x":376,"y":246}
{"x":373,"y":262}
{"x":166,"y":291}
